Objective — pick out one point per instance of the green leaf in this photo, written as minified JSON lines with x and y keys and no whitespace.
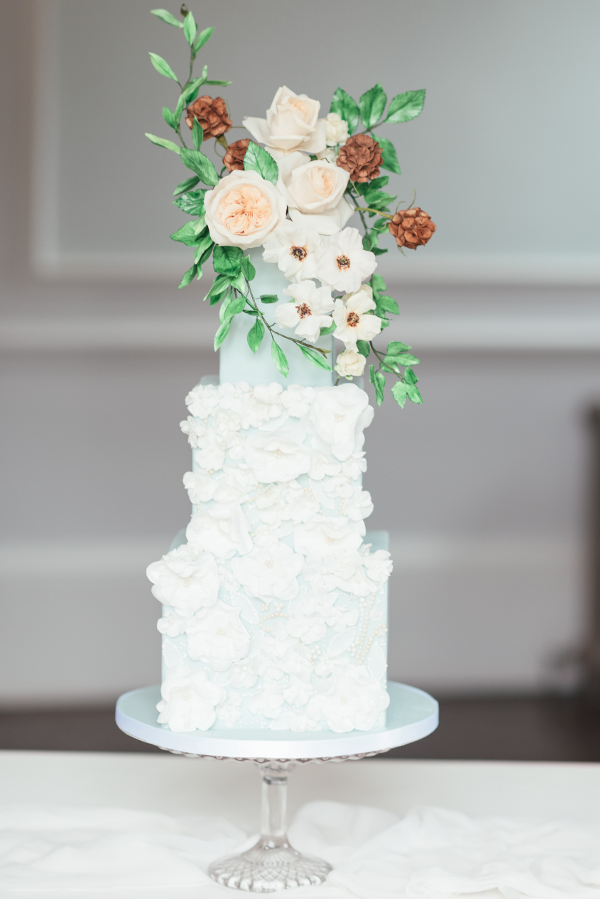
{"x":379,"y":199}
{"x":222,"y":333}
{"x":161,"y":142}
{"x":269,"y":298}
{"x":378,"y":380}
{"x":227,"y":260}
{"x":372,"y":103}
{"x":170,"y":117}
{"x":189,"y":28}
{"x":166,"y":17}
{"x":258,"y":160}
{"x":378,"y":251}
{"x":315,"y":357}
{"x":187,"y":93}
{"x":346,"y":108}
{"x":197,"y":132}
{"x":381,"y":225}
{"x":203,"y":248}
{"x":202,"y":38}
{"x":231,"y":307}
{"x":401,"y":359}
{"x":377,"y":183}
{"x":390,"y":160}
{"x":221,"y":83}
{"x":238,"y":282}
{"x":188,"y":277}
{"x":400,"y":393}
{"x":378,"y":284}
{"x":192,"y":202}
{"x":405,"y":107}
{"x":410,"y":377}
{"x":219,"y":286}
{"x":279,"y":358}
{"x":324,"y":331}
{"x":394,"y":347}
{"x":388,"y":304}
{"x":363,"y":348}
{"x":162,"y":67}
{"x":201,"y":165}
{"x":255,"y":335}
{"x":187,"y":235}
{"x":215,"y":299}
{"x":186,"y":185}
{"x":248,"y":269}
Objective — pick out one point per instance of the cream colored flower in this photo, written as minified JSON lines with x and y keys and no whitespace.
{"x":314,"y":193}
{"x":343,"y":263}
{"x":336,"y":130}
{"x":350,"y":364}
{"x":243,"y":210}
{"x":294,"y":249}
{"x":352,"y":318}
{"x":309,"y":311}
{"x":292,"y":123}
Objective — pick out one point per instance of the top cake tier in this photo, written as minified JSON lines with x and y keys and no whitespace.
{"x":239,"y":363}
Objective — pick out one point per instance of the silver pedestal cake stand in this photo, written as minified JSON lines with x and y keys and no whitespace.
{"x":272,"y":864}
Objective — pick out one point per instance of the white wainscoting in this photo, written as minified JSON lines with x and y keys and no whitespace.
{"x":497,"y":585}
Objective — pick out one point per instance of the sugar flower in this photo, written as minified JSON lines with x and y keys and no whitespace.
{"x":309,"y":311}
{"x":350,"y":364}
{"x":314,"y":193}
{"x":292,"y":123}
{"x":336,"y":130}
{"x":352,"y":318}
{"x":242,"y":210}
{"x":188,"y":700}
{"x":343,"y":263}
{"x":293,"y":248}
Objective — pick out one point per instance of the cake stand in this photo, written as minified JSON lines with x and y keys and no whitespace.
{"x":272,"y":864}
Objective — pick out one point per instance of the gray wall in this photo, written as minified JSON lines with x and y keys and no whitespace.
{"x":483,"y":487}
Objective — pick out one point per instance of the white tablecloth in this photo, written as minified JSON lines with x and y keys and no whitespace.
{"x":498,"y":838}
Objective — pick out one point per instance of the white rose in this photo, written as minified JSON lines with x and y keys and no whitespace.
{"x":350,"y":364}
{"x":353,"y":319}
{"x":188,"y":700}
{"x":218,"y":637}
{"x":243,"y":209}
{"x":186,"y":579}
{"x":314,"y":193}
{"x":292,"y":123}
{"x":336,"y":130}
{"x":349,"y":700}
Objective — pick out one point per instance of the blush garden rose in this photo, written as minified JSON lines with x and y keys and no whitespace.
{"x":292,"y":123}
{"x":243,"y":210}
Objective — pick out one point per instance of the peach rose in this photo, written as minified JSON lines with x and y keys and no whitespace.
{"x":243,"y":209}
{"x":292,"y":123}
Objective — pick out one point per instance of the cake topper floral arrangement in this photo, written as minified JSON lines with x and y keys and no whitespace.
{"x":293,"y":197}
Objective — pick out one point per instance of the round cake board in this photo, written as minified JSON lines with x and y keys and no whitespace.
{"x":411,"y":715}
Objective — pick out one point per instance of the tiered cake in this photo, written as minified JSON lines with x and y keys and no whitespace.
{"x":275,"y":602}
{"x":275,"y":599}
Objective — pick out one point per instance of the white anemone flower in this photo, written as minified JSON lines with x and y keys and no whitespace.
{"x":343,"y":264}
{"x":294,"y":249}
{"x":309,"y":311}
{"x":352,"y":318}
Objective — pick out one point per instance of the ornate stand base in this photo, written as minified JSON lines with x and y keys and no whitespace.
{"x":267,"y":867}
{"x":273,"y":864}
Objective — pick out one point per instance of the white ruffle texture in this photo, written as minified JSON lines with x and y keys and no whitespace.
{"x":275,"y":610}
{"x":430,"y":854}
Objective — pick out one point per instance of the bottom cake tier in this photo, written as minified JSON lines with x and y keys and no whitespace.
{"x":275,"y":598}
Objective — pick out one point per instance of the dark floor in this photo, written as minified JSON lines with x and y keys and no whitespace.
{"x":543,"y":729}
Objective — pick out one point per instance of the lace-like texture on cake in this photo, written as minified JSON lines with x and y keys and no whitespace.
{"x":275,"y":610}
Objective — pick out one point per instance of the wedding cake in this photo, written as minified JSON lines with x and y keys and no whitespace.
{"x":274,"y":599}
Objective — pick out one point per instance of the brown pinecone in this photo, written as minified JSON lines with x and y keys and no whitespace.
{"x":234,"y":157}
{"x":211,"y":114}
{"x":411,"y":228}
{"x":361,"y":156}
